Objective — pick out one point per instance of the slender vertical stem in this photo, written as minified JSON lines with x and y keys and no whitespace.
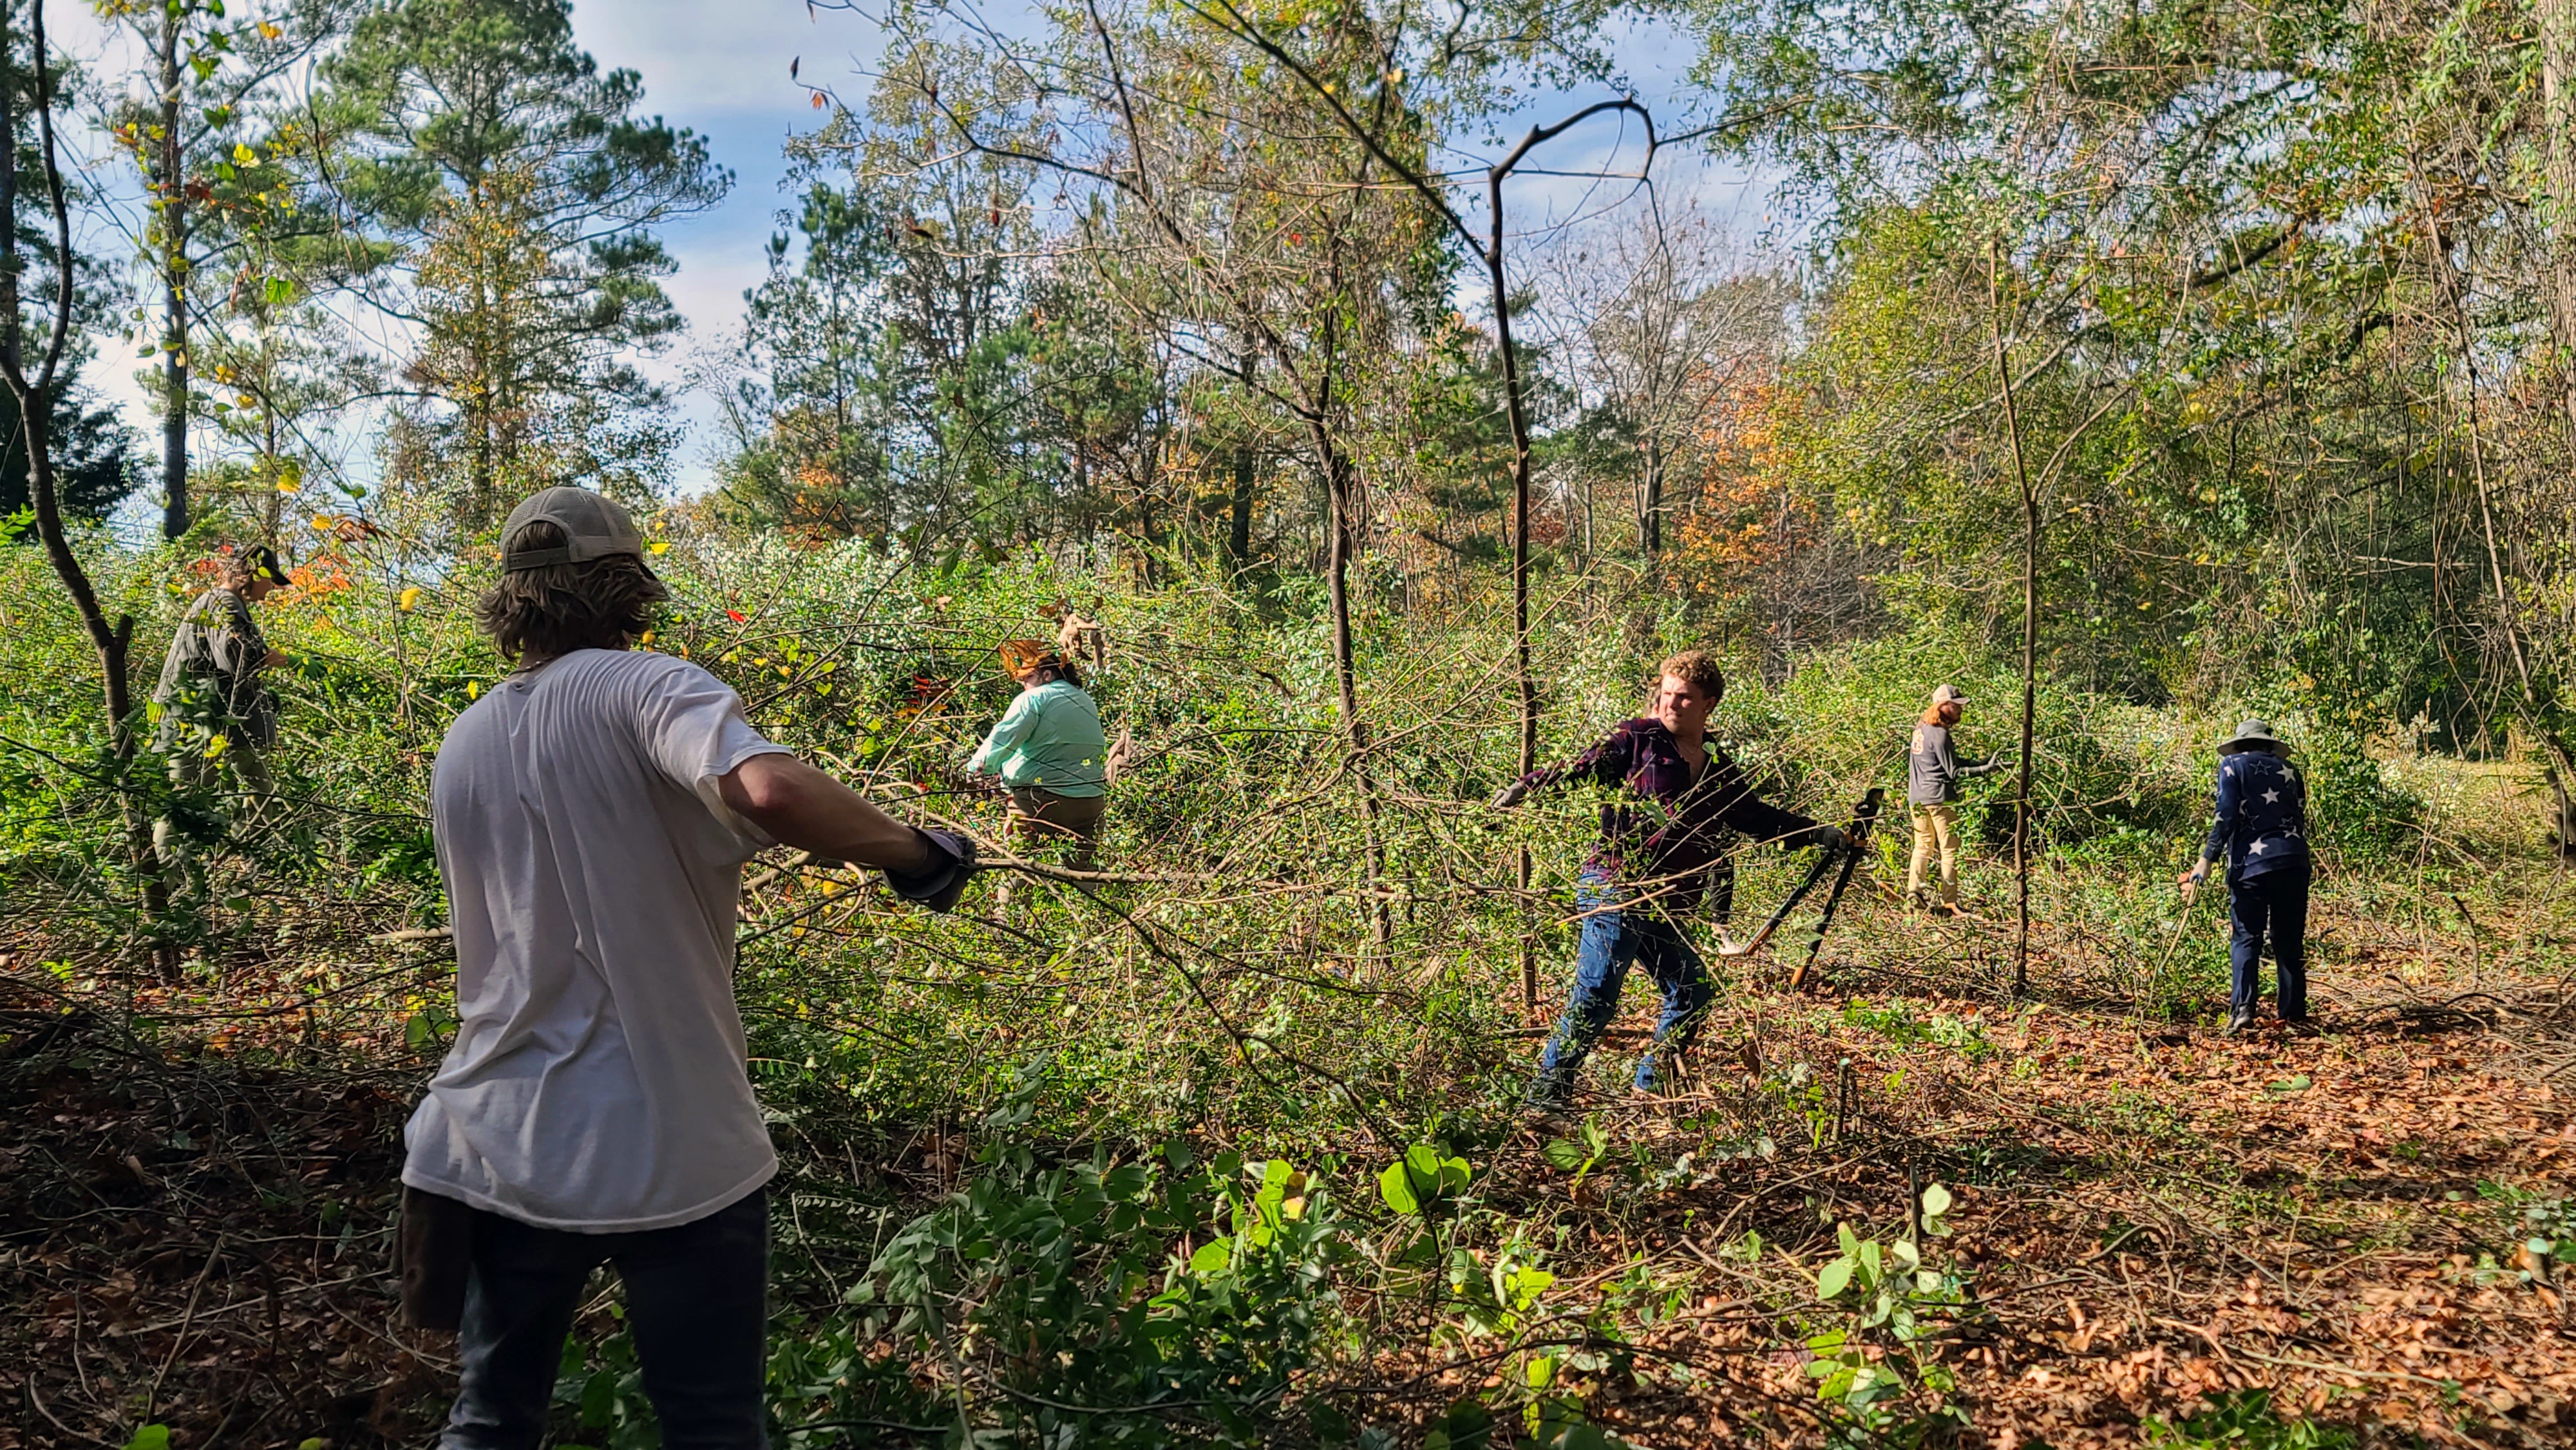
{"x":171,"y":195}
{"x":1517,"y":414}
{"x":2029,"y":623}
{"x":1238,"y":544}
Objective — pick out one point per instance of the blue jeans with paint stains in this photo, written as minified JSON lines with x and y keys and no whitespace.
{"x":1618,"y":934}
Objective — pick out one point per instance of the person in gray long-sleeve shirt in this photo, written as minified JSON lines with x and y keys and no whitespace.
{"x":1932,"y":776}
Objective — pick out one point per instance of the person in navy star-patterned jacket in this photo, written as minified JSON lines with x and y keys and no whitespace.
{"x":2261,"y":831}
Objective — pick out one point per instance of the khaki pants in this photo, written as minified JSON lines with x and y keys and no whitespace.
{"x":1935,"y":826}
{"x":1040,"y":816}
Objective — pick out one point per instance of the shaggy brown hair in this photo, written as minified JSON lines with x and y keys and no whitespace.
{"x":1946,"y":713}
{"x":539,"y":614}
{"x":1695,"y":669}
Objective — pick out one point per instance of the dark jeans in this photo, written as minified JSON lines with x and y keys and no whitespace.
{"x":1614,"y":938}
{"x":2275,"y":902}
{"x":696,"y":1299}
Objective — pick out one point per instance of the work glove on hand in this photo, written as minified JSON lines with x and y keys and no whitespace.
{"x":939,"y":884}
{"x":1509,"y":796}
{"x":1828,"y":838}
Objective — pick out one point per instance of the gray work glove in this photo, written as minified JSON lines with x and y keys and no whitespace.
{"x":1827,"y":838}
{"x":1509,"y":796}
{"x":939,"y":884}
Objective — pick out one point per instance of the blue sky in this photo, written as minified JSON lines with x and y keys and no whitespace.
{"x":722,"y":71}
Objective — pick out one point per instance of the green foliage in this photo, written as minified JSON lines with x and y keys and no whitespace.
{"x":1898,"y":1024}
{"x":601,"y":1387}
{"x":94,"y":456}
{"x":1421,"y":1179}
{"x":2545,"y":1226}
{"x":1578,"y":1156}
{"x":1891,"y":1293}
{"x":2104,"y":771}
{"x":1091,"y":1302}
{"x":2244,"y":1418}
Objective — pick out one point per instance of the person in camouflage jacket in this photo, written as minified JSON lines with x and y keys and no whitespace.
{"x":213,"y":711}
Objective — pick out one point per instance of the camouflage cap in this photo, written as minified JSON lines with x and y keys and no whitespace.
{"x":259,"y":561}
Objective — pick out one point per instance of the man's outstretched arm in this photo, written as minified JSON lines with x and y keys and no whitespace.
{"x":800,"y":806}
{"x":1605,"y":764}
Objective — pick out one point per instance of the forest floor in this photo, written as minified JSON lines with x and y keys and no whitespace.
{"x":195,"y":1234}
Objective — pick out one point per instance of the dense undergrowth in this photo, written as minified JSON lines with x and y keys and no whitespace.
{"x":1220,"y":1144}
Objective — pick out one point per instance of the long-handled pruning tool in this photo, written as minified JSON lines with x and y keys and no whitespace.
{"x":1858,"y":833}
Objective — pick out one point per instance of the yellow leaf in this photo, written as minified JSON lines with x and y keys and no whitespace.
{"x":410,"y":597}
{"x":322,"y":521}
{"x":473,"y":689}
{"x":215,"y":745}
{"x":243,"y":155}
{"x":284,"y":487}
{"x":268,"y":31}
{"x":645,"y":638}
{"x":661,"y":546}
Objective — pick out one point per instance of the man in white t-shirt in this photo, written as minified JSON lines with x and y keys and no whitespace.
{"x":592,"y":813}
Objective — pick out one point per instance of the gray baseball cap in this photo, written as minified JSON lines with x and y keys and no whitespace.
{"x":594,"y":525}
{"x":1949,"y":695}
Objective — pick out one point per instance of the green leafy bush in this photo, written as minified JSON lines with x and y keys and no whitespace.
{"x":2243,"y":1420}
{"x":1142,"y":1302}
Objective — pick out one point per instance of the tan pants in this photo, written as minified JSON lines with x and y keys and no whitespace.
{"x":1935,"y":826}
{"x":1039,"y":816}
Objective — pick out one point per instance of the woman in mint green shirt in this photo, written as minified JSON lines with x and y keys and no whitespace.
{"x":1049,"y":750}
